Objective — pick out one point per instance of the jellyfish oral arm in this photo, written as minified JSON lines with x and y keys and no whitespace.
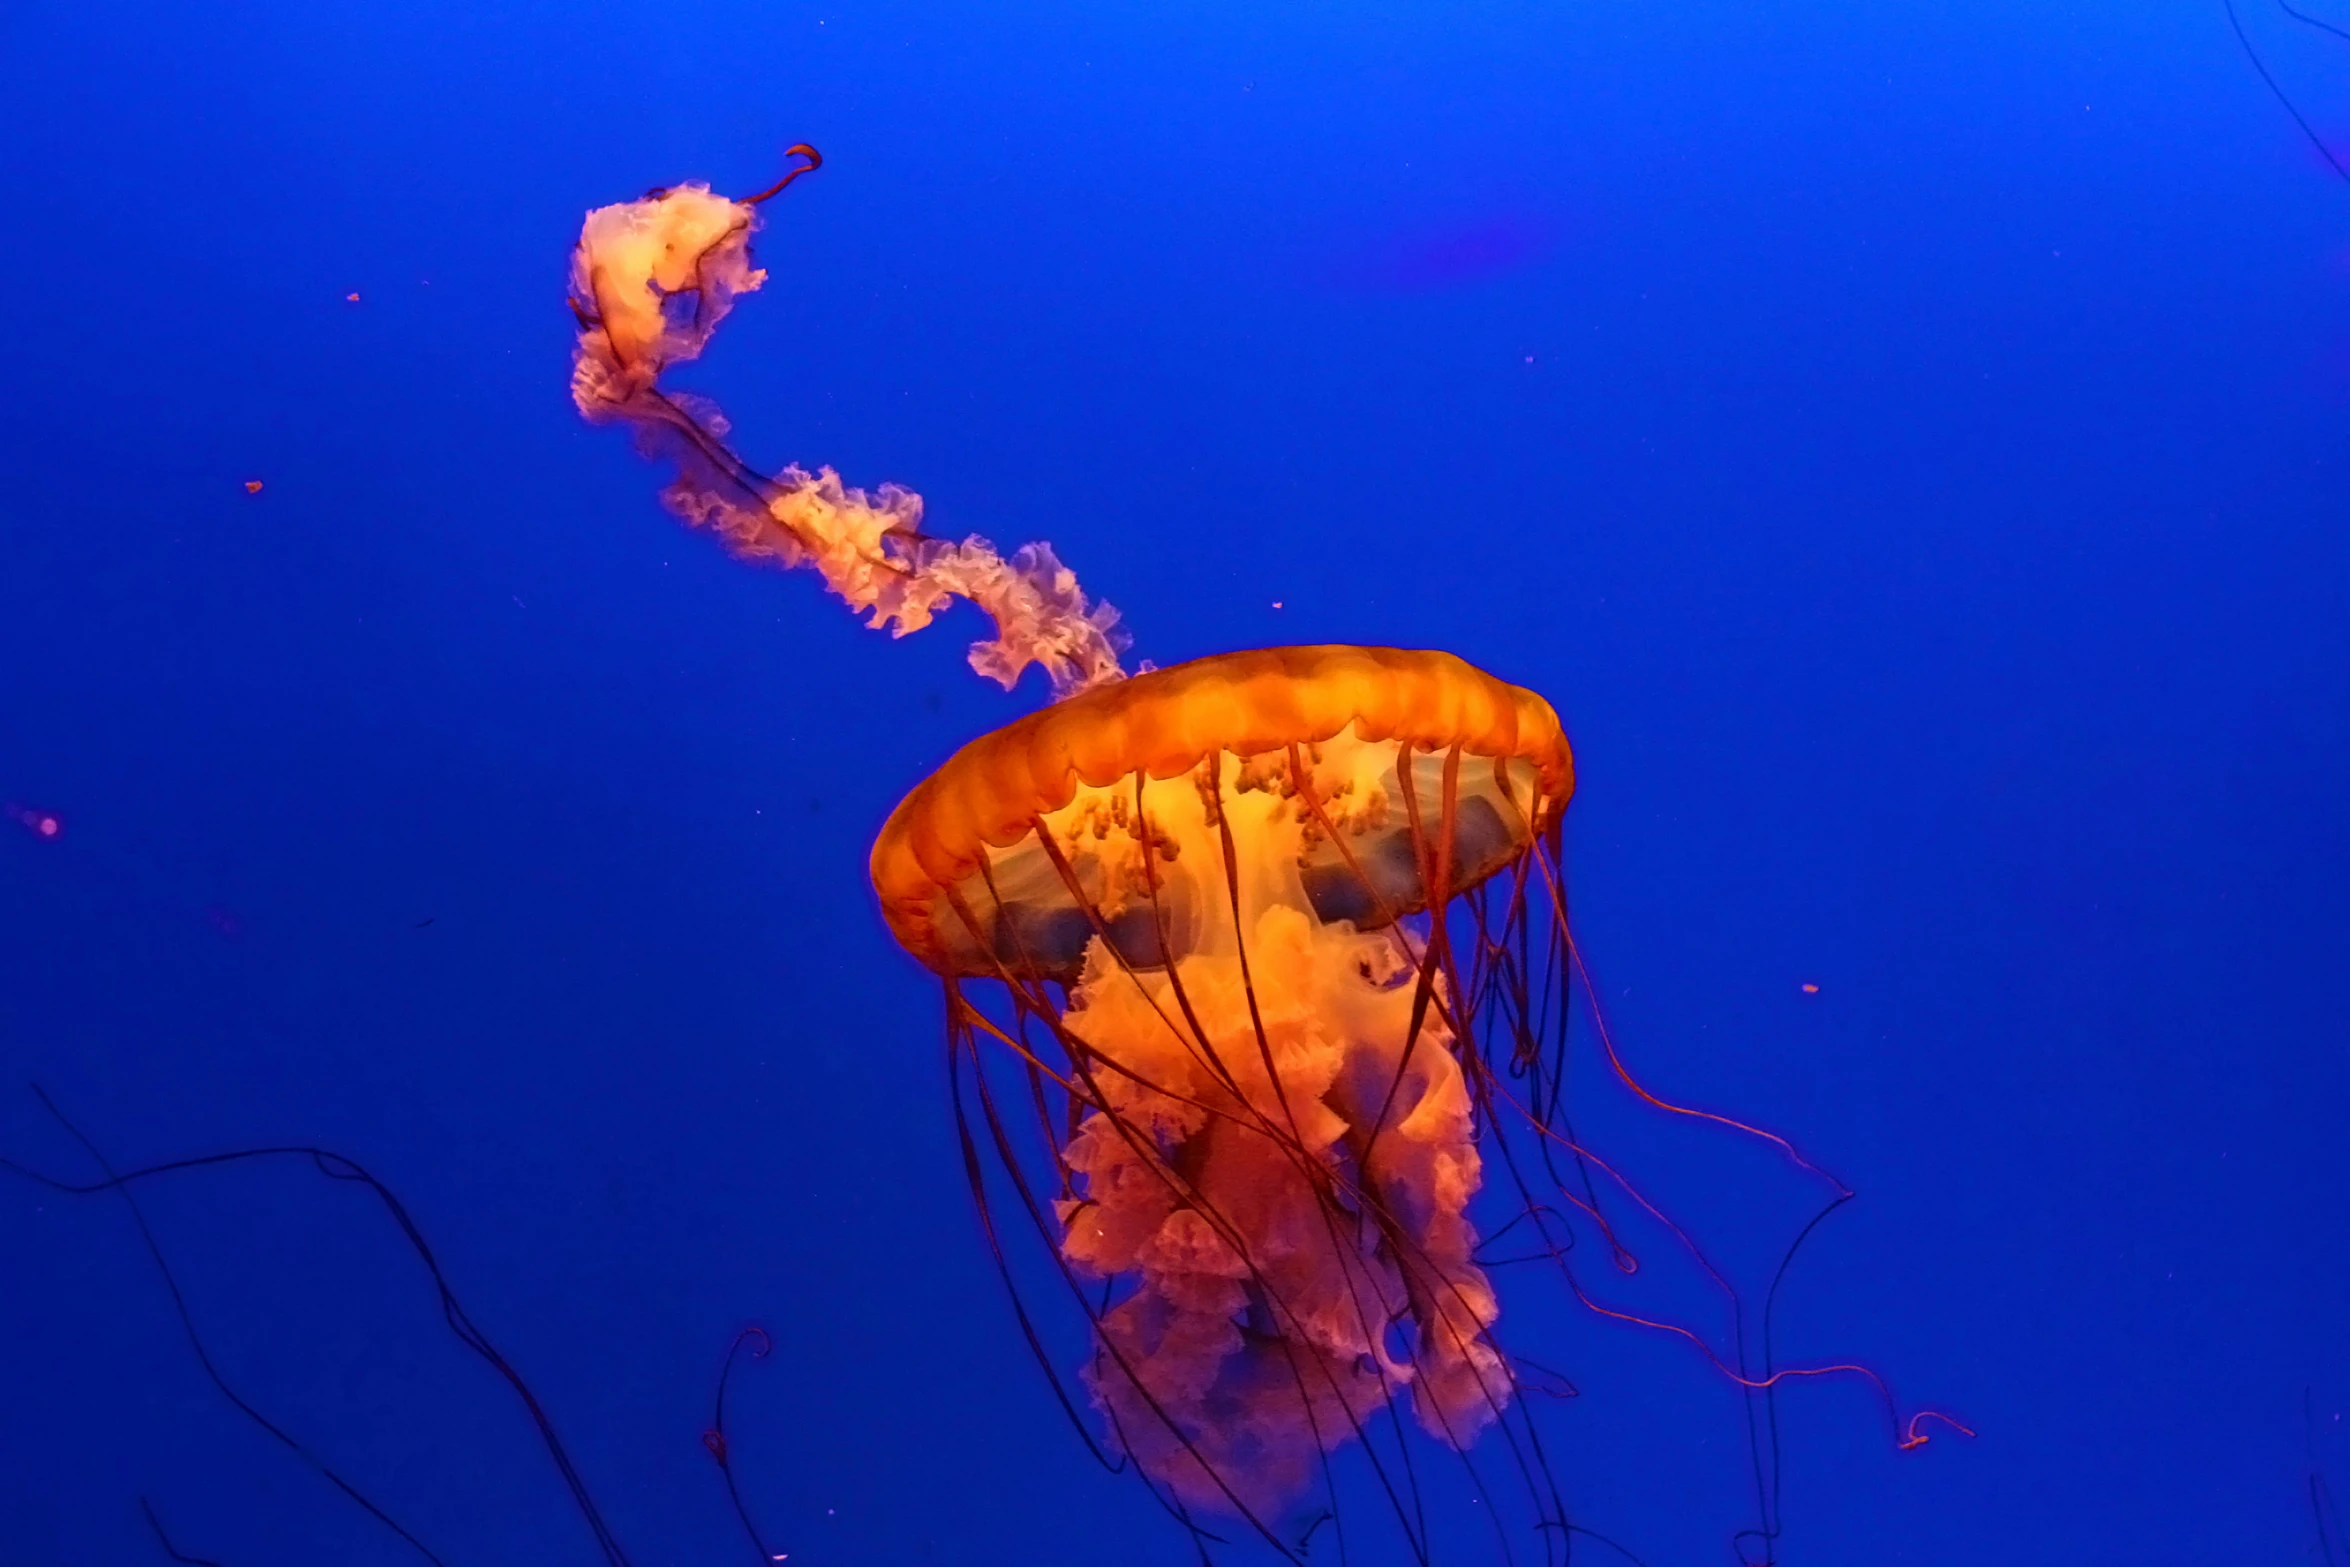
{"x":650,"y":282}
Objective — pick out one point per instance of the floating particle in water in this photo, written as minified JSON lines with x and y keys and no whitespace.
{"x":40,"y":823}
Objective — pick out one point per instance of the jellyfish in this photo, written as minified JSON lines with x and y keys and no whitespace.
{"x":1253,"y":967}
{"x":1214,"y":896}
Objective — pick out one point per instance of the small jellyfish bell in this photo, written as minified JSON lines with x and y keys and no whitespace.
{"x":1215,"y":898}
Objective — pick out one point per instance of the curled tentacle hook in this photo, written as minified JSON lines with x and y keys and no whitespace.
{"x":798,"y":150}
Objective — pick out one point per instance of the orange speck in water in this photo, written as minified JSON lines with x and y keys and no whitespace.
{"x":353,"y":298}
{"x":252,"y":486}
{"x":1811,"y":989}
{"x":1276,"y":603}
{"x":43,"y":823}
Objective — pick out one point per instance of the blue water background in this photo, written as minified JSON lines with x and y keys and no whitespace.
{"x":1906,"y":443}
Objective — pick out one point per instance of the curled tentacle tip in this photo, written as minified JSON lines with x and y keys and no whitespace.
{"x":798,"y":149}
{"x":1915,"y":1431}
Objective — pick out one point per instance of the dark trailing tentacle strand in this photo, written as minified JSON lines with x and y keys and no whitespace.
{"x":2253,"y":55}
{"x":714,"y":1439}
{"x":121,"y":1186}
{"x":164,"y":1540}
{"x":335,"y":1167}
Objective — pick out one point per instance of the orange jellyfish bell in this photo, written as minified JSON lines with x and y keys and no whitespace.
{"x":972,"y":884}
{"x":1248,"y":1132}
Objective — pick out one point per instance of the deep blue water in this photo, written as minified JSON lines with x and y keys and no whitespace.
{"x":1906,"y":443}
